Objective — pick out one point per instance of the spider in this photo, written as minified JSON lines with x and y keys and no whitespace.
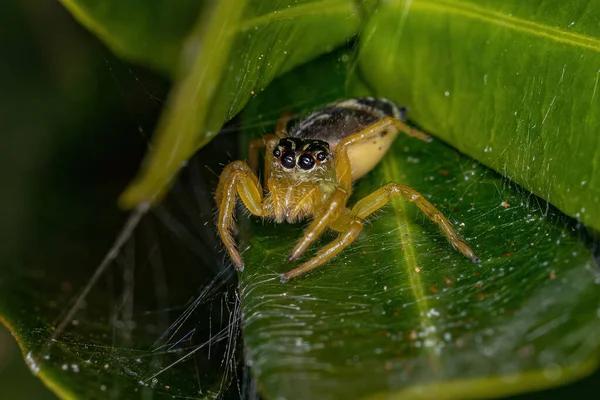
{"x":309,"y":171}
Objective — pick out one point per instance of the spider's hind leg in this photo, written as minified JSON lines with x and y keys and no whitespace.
{"x":379,"y":198}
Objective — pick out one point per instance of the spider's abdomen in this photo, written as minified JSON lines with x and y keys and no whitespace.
{"x":340,"y":119}
{"x":343,"y":118}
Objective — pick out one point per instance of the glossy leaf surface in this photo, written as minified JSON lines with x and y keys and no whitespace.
{"x":514,"y":84}
{"x":400,"y":314}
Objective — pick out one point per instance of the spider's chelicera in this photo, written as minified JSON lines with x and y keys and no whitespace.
{"x":308,"y":173}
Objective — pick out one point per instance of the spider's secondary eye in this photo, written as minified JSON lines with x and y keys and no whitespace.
{"x":321,"y":156}
{"x":306,"y":162}
{"x":276,"y":153}
{"x":288,"y":160}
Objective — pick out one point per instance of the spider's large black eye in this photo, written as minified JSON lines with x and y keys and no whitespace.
{"x":321,"y":156}
{"x":306,"y":161}
{"x":276,"y":153}
{"x":288,"y":160}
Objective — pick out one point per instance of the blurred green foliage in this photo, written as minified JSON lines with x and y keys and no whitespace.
{"x":65,"y":104}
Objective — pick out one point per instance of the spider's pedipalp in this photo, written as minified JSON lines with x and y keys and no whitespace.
{"x":236,"y":179}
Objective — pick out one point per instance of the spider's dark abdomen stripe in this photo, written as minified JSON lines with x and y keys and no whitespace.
{"x":343,"y":118}
{"x":384,"y":105}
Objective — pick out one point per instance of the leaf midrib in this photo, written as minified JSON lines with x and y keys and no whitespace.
{"x":391,"y":172}
{"x":508,"y":21}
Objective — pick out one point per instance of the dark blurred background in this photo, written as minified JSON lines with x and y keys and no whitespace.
{"x":60,"y":88}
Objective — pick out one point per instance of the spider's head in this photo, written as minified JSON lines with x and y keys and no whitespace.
{"x":301,"y":157}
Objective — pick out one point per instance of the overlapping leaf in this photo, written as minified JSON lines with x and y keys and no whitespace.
{"x":513,"y":84}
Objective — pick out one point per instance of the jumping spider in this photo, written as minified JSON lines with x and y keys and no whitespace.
{"x":308,"y":173}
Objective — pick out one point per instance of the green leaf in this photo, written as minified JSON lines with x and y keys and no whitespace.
{"x":400,"y":314}
{"x":513,"y":84}
{"x":234,"y":51}
{"x":144,"y":31}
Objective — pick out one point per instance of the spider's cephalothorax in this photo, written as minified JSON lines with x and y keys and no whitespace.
{"x":308,"y":173}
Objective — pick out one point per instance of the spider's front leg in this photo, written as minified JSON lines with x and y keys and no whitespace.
{"x":323,"y":218}
{"x":349,"y":228}
{"x":236,"y":179}
{"x":336,"y":204}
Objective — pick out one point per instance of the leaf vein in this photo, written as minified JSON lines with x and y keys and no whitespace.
{"x":511,"y":22}
{"x":290,"y":13}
